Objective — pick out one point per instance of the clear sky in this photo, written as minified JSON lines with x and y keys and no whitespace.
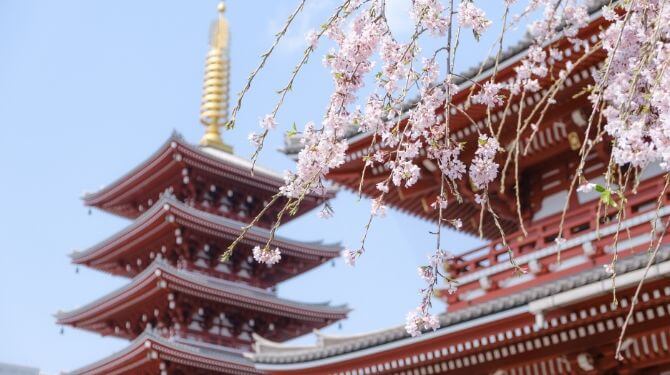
{"x":89,"y":89}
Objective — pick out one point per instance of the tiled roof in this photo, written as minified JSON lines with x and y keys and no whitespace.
{"x":237,"y":294}
{"x":223,"y":226}
{"x":195,"y":354}
{"x":464,"y":79}
{"x":334,"y":346}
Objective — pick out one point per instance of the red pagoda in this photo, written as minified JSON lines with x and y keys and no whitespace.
{"x":184,"y":311}
{"x":556,"y":319}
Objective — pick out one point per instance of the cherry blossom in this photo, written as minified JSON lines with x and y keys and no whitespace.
{"x":471,"y":17}
{"x":484,"y":169}
{"x":411,"y":137}
{"x":429,"y":13}
{"x":586,"y":187}
{"x":312,"y":39}
{"x":489,"y":95}
{"x":418,"y":321}
{"x":268,"y":122}
{"x":378,"y":208}
{"x":266,"y":255}
{"x":351,"y":256}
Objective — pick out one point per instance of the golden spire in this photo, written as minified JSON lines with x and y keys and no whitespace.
{"x":214,"y":107}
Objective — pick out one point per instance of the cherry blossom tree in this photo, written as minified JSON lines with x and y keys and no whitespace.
{"x":630,"y":106}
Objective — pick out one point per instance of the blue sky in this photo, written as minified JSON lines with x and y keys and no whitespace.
{"x":89,"y":89}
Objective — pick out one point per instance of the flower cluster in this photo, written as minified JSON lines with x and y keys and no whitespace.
{"x":324,"y":149}
{"x":430,"y":14}
{"x":421,"y":319}
{"x":268,"y":122}
{"x":417,"y":321}
{"x":378,"y":207}
{"x":351,"y":256}
{"x":410,"y":141}
{"x":489,"y":95}
{"x":484,"y":169}
{"x":471,"y":17}
{"x":267,"y":255}
{"x":637,"y":89}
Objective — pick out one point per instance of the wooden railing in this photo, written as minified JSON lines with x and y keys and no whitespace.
{"x":543,"y":233}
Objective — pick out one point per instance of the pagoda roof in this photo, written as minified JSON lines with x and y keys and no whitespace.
{"x":332,"y":349}
{"x":149,"y":347}
{"x":162,"y":276}
{"x":168,"y":213}
{"x":168,"y":162}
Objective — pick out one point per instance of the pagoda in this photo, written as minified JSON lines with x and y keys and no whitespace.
{"x":184,"y":310}
{"x":558,"y":318}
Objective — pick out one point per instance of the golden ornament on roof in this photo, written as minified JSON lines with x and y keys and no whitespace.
{"x":214,"y":107}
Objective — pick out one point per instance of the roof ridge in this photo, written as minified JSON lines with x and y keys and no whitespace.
{"x":159,"y":267}
{"x":501,"y":304}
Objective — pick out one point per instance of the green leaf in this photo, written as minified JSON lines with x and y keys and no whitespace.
{"x":293,"y":131}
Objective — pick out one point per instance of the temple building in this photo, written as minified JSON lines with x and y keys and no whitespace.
{"x":558,"y":318}
{"x":183,"y":310}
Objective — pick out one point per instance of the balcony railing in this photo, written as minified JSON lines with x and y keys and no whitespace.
{"x":487,"y":267}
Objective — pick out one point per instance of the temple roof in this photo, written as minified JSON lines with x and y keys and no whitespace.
{"x":331,"y":346}
{"x":168,"y":213}
{"x":149,"y":346}
{"x":465,"y":79}
{"x":553,"y":142}
{"x":168,"y":163}
{"x":162,"y":276}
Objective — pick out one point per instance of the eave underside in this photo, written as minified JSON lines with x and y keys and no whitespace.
{"x":150,"y":354}
{"x":163,"y":296}
{"x":189,"y":172}
{"x":174,"y":231}
{"x":342,"y":348}
{"x":516,"y":344}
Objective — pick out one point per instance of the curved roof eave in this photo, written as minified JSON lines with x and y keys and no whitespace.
{"x":344,"y":348}
{"x":212,"y":156}
{"x":238,"y":293}
{"x":223,"y":224}
{"x":465,"y":80}
{"x":149,"y":341}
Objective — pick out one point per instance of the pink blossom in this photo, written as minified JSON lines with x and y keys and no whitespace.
{"x":378,"y":208}
{"x":426,"y":273}
{"x":351,"y":256}
{"x":429,"y":13}
{"x":312,"y":39}
{"x":471,"y":17}
{"x":439,"y":258}
{"x":267,"y":255}
{"x":268,"y":122}
{"x":254,"y":139}
{"x":586,"y":188}
{"x":383,"y":187}
{"x":418,"y":321}
{"x":489,"y":95}
{"x":440,"y":202}
{"x":484,"y":169}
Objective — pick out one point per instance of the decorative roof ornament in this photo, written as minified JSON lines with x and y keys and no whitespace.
{"x":214,"y":107}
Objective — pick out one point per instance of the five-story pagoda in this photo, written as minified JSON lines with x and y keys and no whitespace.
{"x":184,"y":310}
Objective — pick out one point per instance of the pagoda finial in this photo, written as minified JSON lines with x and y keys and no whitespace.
{"x":214,"y":108}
